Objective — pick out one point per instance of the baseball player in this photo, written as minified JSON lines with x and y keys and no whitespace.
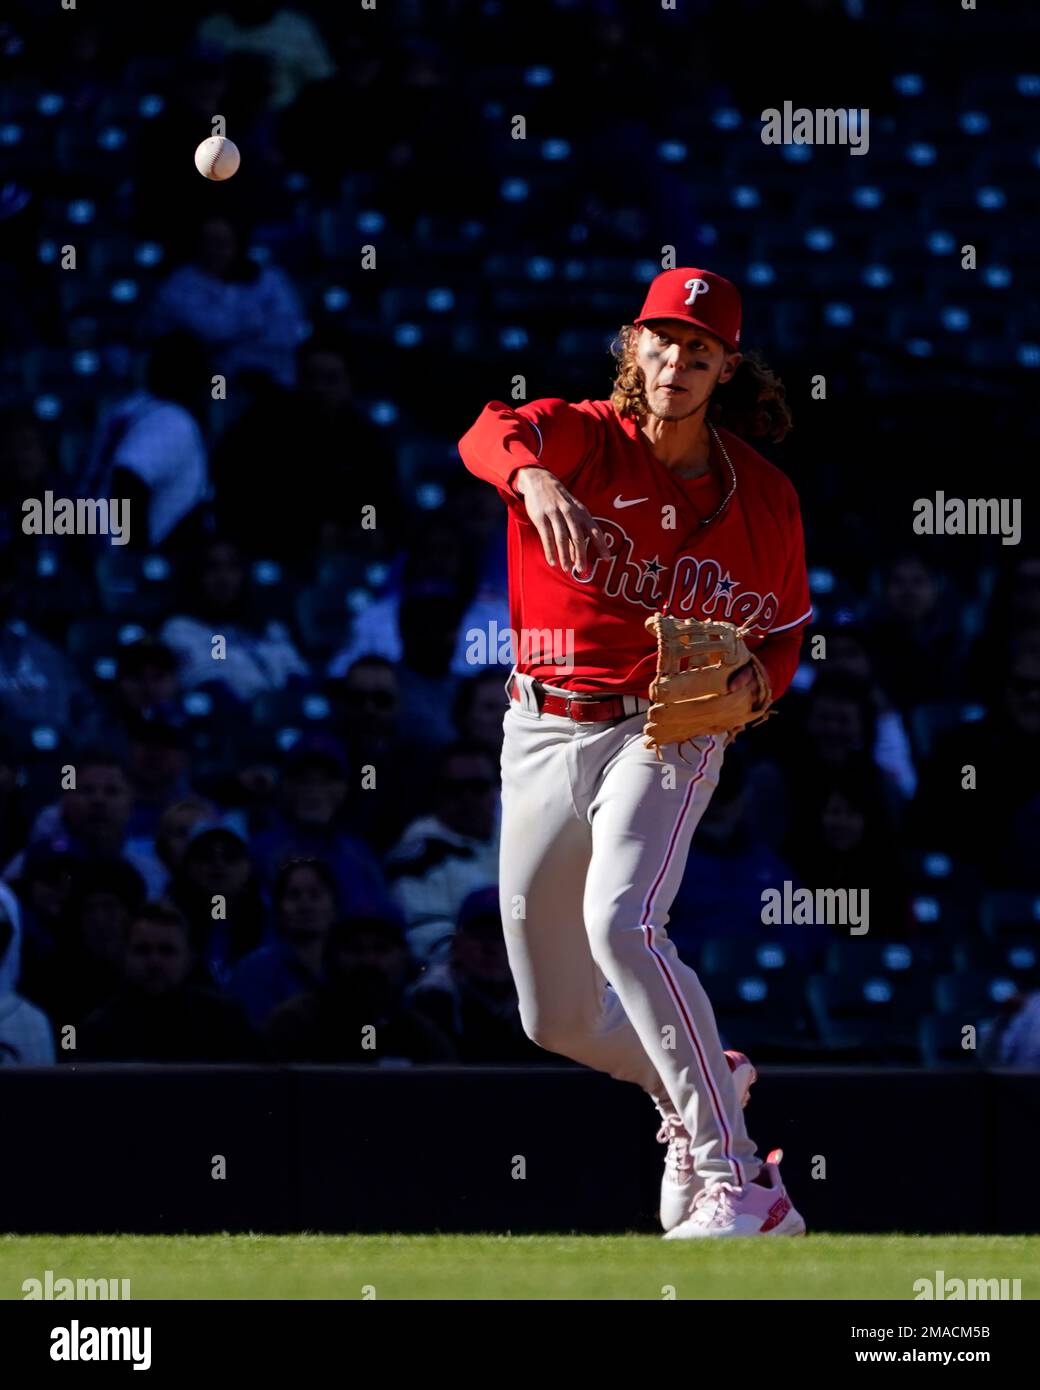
{"x":620,"y":509}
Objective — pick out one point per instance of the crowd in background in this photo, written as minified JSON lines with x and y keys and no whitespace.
{"x":248,"y":762}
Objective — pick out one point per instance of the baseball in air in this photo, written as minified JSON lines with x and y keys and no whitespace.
{"x":217,"y":158}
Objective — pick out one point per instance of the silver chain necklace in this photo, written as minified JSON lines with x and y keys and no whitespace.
{"x":732,"y":477}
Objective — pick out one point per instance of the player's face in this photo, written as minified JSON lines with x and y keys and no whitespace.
{"x":681,"y":366}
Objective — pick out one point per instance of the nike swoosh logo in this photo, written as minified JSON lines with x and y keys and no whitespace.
{"x":634,"y":502}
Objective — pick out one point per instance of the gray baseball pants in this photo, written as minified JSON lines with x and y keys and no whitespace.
{"x":595,"y":835}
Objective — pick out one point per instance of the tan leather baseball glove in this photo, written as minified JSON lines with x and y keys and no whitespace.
{"x":689,"y":695}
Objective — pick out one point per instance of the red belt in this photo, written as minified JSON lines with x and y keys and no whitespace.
{"x":585,"y":709}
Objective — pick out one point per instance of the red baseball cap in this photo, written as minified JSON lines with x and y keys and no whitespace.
{"x":695,"y":296}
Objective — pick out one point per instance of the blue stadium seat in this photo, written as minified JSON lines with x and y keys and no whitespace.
{"x":134,"y":585}
{"x":1012,"y":956}
{"x":973,"y":995}
{"x":301,"y":708}
{"x":878,"y":1013}
{"x":728,"y":956}
{"x":942,"y":1038}
{"x":868,"y":957}
{"x":1013,"y":912}
{"x":97,"y":640}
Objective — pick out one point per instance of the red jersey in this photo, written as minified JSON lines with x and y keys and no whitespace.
{"x":586,"y":632}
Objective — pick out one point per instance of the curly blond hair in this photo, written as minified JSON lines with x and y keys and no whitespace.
{"x":752,"y":403}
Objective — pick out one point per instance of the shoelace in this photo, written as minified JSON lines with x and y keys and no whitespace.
{"x":715,"y":1205}
{"x":678,"y":1162}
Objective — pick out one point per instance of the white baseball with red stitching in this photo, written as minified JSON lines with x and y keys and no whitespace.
{"x":217,"y":158}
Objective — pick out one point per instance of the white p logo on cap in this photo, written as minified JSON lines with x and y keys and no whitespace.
{"x":696,"y":287}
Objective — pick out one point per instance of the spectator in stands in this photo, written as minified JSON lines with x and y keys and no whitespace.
{"x":979,"y":799}
{"x":150,"y":450}
{"x":14,"y":819}
{"x":218,"y":891}
{"x":44,"y":889}
{"x":255,"y":657}
{"x":917,"y":616}
{"x":842,"y":837}
{"x":26,"y":1036}
{"x":338,"y":456}
{"x":1013,"y":1038}
{"x":146,"y":684}
{"x":248,"y":314}
{"x":286,"y":38}
{"x":158,"y":766}
{"x":444,"y":856}
{"x":848,"y":651}
{"x":430,"y":615}
{"x":159,"y":1015}
{"x":91,"y":820}
{"x":727,"y":872}
{"x":359,"y":1013}
{"x":38,"y":683}
{"x":367,"y":703}
{"x":84,"y":969}
{"x":1013,"y":608}
{"x":480,"y":707}
{"x":306,"y":906}
{"x":470,"y":994}
{"x":435,"y":587}
{"x":313,"y":796}
{"x":27,"y":470}
{"x":175,"y":827}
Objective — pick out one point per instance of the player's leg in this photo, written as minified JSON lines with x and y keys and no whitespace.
{"x":643,"y":817}
{"x":546,"y":844}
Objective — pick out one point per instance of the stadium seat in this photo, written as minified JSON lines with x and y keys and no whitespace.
{"x":871,"y":1015}
{"x":963,"y":995}
{"x":728,"y":956}
{"x":1011,"y":956}
{"x":1010,"y":912}
{"x":98,"y":640}
{"x":300,"y":708}
{"x":868,"y":957}
{"x":942,"y":1040}
{"x":134,"y":585}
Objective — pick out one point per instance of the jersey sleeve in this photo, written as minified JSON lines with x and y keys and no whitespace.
{"x":779,"y":652}
{"x":550,"y":434}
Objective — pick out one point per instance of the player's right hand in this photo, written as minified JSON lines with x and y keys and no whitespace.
{"x":565,"y":525}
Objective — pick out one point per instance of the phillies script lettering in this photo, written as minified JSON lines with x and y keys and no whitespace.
{"x":696,"y":588}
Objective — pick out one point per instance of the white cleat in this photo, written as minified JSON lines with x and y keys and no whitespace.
{"x":720,"y":1209}
{"x":680,"y":1183}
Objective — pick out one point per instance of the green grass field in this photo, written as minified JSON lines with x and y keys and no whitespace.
{"x":523,"y":1267}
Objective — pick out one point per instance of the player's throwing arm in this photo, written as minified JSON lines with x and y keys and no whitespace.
{"x":565,"y":525}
